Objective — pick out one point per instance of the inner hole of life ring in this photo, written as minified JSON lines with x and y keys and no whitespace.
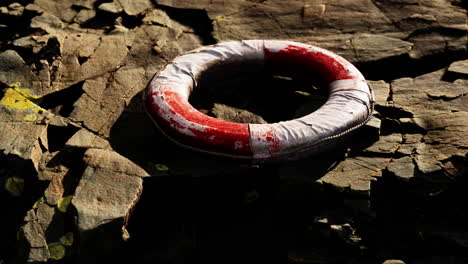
{"x":248,"y":92}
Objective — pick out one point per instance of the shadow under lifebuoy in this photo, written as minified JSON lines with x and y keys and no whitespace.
{"x":206,"y":209}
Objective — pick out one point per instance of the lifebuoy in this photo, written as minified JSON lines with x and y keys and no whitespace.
{"x":349,"y":105}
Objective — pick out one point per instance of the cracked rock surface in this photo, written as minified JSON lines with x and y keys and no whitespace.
{"x":85,"y":177}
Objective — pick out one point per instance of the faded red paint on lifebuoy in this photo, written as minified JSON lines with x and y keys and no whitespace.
{"x":314,"y":61}
{"x":212,"y":134}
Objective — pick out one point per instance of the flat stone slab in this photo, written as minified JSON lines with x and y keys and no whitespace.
{"x":108,"y":190}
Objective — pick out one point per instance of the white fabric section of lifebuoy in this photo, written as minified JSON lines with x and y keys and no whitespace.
{"x":182,"y":73}
{"x":263,"y":140}
{"x":304,"y":134}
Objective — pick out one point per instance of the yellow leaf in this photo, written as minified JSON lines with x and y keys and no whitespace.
{"x":36,"y":204}
{"x":67,"y":239}
{"x":15,"y":186}
{"x":63,"y":203}
{"x":57,"y":251}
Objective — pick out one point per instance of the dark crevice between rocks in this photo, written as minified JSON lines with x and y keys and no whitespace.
{"x":107,"y":20}
{"x":453,"y":76}
{"x":420,"y":216}
{"x":397,"y":219}
{"x":61,"y":102}
{"x":411,"y":128}
{"x":340,"y":209}
{"x":3,"y":87}
{"x":82,"y":60}
{"x":16,"y":26}
{"x":72,"y":158}
{"x":197,"y":19}
{"x":102,"y":245}
{"x":102,"y":20}
{"x":364,"y":137}
{"x":426,"y":214}
{"x":460,"y":3}
{"x":21,"y":2}
{"x":59,"y":135}
{"x":14,"y":208}
{"x":390,"y":126}
{"x":404,"y":66}
{"x":459,"y":167}
{"x":390,"y":121}
{"x":390,"y":93}
{"x":132,"y":21}
{"x":50,"y":52}
{"x":200,"y":219}
{"x":251,"y":217}
{"x":64,"y":222}
{"x":393,"y":112}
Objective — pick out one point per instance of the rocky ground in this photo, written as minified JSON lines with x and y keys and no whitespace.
{"x":79,"y":156}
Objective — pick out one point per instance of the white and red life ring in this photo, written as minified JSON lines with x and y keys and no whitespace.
{"x":348,"y":107}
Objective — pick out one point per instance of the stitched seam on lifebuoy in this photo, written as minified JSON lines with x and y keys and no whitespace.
{"x":329,"y":137}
